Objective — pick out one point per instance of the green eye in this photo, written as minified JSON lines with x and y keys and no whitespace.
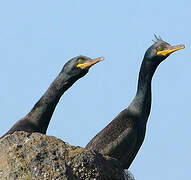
{"x":160,"y":48}
{"x":80,"y":61}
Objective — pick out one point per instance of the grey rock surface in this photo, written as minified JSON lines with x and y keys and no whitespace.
{"x":36,"y":156}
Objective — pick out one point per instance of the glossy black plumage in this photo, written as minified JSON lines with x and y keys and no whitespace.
{"x":123,"y":137}
{"x":37,"y":120}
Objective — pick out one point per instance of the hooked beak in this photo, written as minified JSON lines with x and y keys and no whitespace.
{"x":170,"y":50}
{"x":87,"y":65}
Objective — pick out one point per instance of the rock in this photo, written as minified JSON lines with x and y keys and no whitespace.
{"x":128,"y":175}
{"x":26,"y":156}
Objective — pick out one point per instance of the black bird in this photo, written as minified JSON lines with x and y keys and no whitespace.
{"x":37,"y":120}
{"x":123,"y":137}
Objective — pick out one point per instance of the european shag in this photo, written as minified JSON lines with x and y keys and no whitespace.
{"x":123,"y":137}
{"x":37,"y":120}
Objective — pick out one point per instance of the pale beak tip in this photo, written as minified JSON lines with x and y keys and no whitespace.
{"x":101,"y":58}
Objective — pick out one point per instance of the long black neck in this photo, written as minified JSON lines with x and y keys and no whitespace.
{"x":141,"y":104}
{"x":42,"y":111}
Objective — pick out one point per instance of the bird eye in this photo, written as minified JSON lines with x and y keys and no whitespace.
{"x":80,"y":61}
{"x":160,"y":49}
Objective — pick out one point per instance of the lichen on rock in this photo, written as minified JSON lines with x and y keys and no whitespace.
{"x":37,"y":156}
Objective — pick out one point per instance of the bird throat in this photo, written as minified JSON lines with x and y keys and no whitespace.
{"x":141,"y":104}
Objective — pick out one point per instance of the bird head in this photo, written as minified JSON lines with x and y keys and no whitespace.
{"x":80,"y":65}
{"x":160,"y":50}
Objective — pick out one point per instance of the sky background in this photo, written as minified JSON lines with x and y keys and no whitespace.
{"x":38,"y":37}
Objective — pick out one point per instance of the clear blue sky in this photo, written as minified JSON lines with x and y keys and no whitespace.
{"x":38,"y":37}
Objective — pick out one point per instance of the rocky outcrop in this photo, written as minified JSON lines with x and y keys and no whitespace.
{"x":25,"y":156}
